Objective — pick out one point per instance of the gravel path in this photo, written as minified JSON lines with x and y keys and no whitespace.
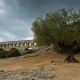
{"x":42,"y":73}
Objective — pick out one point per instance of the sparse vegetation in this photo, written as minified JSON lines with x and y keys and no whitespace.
{"x":1,"y":70}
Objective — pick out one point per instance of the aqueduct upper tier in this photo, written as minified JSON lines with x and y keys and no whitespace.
{"x":21,"y":45}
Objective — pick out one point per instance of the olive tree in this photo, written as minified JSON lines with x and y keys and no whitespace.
{"x":61,"y":28}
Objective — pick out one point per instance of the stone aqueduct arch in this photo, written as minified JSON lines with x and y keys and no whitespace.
{"x":20,"y":45}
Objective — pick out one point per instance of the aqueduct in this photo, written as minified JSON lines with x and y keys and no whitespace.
{"x":21,"y":45}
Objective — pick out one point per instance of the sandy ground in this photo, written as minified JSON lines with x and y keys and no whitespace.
{"x":44,"y":60}
{"x":41,"y":60}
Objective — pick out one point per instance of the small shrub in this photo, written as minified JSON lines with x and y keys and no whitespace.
{"x":3,"y":53}
{"x":13,"y":53}
{"x":1,"y":70}
{"x":29,"y":51}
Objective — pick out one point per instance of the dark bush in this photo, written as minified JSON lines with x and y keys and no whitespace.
{"x":13,"y":53}
{"x":28,"y":51}
{"x":58,"y":49}
{"x":3,"y":53}
{"x":77,"y":50}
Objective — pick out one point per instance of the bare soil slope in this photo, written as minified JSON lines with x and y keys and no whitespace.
{"x":37,"y":61}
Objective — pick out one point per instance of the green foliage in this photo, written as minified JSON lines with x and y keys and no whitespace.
{"x":60,"y":26}
{"x":58,"y":49}
{"x":13,"y":53}
{"x":3,"y":53}
{"x":29,"y":51}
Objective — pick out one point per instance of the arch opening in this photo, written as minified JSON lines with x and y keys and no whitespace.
{"x":16,"y":44}
{"x":29,"y":48}
{"x":13,"y":45}
{"x":1,"y":45}
{"x":34,"y":43}
{"x":20,"y":44}
{"x":12,"y":48}
{"x":29,"y":44}
{"x":25,"y":44}
{"x":9,"y":45}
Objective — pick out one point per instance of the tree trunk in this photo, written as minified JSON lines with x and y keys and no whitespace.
{"x":70,"y":56}
{"x":69,"y":49}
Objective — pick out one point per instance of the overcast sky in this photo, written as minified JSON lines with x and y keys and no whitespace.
{"x":16,"y":16}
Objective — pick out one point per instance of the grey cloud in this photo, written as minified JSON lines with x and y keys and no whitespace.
{"x":16,"y":16}
{"x":28,"y":9}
